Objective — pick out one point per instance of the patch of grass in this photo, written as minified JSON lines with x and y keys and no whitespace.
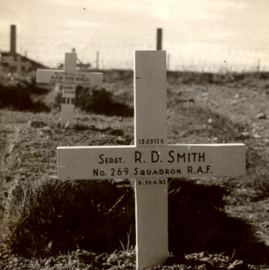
{"x":206,"y":78}
{"x":218,"y":126}
{"x":49,"y":217}
{"x":19,"y":98}
{"x":203,"y":124}
{"x":98,"y":101}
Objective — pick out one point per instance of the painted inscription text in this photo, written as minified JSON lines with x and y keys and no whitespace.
{"x":153,"y":157}
{"x":67,"y":77}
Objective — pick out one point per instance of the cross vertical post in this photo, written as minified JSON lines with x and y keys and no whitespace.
{"x":151,"y":201}
{"x":68,"y":91}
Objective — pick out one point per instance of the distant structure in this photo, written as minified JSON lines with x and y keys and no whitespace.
{"x":14,"y":63}
{"x":80,"y":65}
{"x":159,"y":39}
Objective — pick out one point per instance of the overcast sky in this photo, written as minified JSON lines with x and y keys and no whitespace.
{"x":196,"y":33}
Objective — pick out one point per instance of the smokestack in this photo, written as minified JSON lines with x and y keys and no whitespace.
{"x":13,"y":39}
{"x":159,"y":38}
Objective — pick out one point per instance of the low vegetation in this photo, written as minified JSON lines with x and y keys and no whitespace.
{"x":213,"y":222}
{"x":100,"y":101}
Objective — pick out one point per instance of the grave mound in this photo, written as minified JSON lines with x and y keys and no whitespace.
{"x":57,"y":217}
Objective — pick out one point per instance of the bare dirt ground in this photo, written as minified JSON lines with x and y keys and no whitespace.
{"x":28,"y":141}
{"x":247,"y":104}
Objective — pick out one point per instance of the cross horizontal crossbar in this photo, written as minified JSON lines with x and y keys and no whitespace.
{"x":188,"y":160}
{"x":79,"y":78}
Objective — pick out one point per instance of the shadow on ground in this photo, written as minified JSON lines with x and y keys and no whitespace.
{"x":198,"y":223}
{"x":61,"y":216}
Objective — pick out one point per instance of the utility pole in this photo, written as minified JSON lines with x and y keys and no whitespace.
{"x":97,"y":60}
{"x":168,"y":61}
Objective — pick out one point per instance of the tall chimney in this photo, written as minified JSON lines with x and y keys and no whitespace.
{"x":13,"y":39}
{"x":159,"y":38}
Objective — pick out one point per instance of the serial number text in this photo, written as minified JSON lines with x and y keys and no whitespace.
{"x":151,"y":141}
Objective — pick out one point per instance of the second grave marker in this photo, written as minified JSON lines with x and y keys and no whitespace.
{"x":69,"y":78}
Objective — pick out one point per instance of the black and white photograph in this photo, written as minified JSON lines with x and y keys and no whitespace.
{"x":134,"y":134}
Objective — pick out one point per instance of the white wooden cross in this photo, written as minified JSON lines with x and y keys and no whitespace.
{"x":69,"y":79}
{"x":151,"y":160}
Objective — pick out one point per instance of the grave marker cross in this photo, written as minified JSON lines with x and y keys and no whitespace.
{"x":151,"y":160}
{"x":69,"y":78}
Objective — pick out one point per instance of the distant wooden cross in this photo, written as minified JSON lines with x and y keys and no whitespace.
{"x":151,"y":160}
{"x":69,"y":78}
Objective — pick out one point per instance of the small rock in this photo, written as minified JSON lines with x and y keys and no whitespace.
{"x":256,"y":136}
{"x":234,"y":102}
{"x":243,"y":135}
{"x":261,"y":116}
{"x":120,"y":140}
